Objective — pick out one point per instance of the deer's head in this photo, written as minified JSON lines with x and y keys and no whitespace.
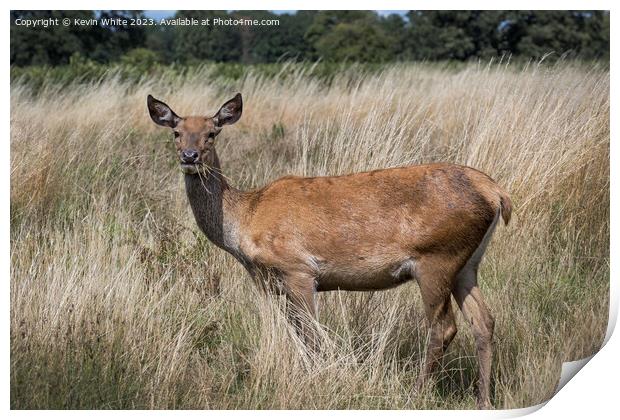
{"x":194,"y":137}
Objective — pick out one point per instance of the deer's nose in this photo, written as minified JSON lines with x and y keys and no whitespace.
{"x":189,"y":156}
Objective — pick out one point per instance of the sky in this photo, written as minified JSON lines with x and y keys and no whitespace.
{"x":162,"y":14}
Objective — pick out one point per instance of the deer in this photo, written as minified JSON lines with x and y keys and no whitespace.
{"x":367,"y":231}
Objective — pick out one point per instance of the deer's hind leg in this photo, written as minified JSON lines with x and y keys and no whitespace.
{"x":435,"y":279}
{"x":469,"y":298}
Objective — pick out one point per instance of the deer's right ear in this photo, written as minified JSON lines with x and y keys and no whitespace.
{"x":161,"y":114}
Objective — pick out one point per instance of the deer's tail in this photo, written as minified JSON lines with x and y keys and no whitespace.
{"x":505,"y":204}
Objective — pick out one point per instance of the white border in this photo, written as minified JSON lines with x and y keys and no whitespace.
{"x":315,"y":5}
{"x":592,"y":393}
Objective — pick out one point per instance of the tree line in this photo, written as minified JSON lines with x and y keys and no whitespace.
{"x":333,"y":36}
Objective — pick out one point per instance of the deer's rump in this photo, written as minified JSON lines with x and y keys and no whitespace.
{"x":369,"y":229}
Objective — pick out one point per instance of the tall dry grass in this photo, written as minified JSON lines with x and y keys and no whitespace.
{"x":117,"y":300}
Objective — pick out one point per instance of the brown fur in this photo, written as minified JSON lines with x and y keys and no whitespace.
{"x":357,"y":228}
{"x":365,"y":231}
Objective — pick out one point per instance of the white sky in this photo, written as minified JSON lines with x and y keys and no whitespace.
{"x":160,"y":14}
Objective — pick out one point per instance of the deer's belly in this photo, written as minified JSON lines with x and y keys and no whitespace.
{"x":364,"y":278}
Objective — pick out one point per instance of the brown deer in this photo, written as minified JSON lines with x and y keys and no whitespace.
{"x":365,"y":231}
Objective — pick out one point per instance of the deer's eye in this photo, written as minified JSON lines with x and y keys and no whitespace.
{"x":176,"y":134}
{"x":211,"y":136}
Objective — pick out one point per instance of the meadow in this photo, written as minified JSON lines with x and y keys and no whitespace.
{"x":118,"y":301}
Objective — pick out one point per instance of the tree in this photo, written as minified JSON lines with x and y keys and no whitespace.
{"x":354,"y":35}
{"x":444,"y":34}
{"x":116,"y":40}
{"x":48,"y":46}
{"x":160,"y":39}
{"x":213,"y":42}
{"x":393,"y":26}
{"x":534,"y":34}
{"x":54,"y":45}
{"x":595,"y":42}
{"x":271,"y":43}
{"x":349,"y":35}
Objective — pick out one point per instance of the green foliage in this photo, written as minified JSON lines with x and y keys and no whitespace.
{"x":441,"y":35}
{"x":140,"y":57}
{"x":140,"y":63}
{"x":216,"y":43}
{"x":271,"y":44}
{"x":55,"y":44}
{"x":349,"y":36}
{"x":333,"y":36}
{"x":538,"y":33}
{"x":52,"y":45}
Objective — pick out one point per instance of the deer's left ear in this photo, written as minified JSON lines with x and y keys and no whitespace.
{"x":230,"y":112}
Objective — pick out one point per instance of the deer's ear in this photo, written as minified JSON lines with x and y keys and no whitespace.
{"x":161,"y":113}
{"x":230,"y":112}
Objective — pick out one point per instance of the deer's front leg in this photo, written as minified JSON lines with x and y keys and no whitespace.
{"x":301,"y":307}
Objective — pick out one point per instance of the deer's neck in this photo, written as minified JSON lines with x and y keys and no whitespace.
{"x":215,"y":205}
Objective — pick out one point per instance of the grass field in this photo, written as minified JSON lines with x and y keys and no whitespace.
{"x":118,"y":301}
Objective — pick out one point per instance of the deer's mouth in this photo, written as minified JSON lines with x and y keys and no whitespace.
{"x":190,"y":168}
